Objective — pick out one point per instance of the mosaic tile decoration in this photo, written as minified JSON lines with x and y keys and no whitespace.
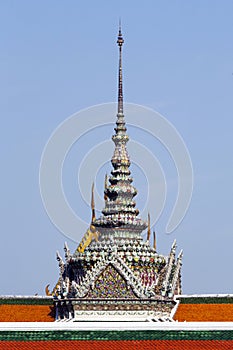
{"x":110,"y":284}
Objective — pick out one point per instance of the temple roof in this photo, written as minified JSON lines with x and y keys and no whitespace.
{"x":201,"y":308}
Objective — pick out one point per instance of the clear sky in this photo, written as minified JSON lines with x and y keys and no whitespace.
{"x":57,"y":57}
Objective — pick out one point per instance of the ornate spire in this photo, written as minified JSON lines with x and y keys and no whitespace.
{"x":120,"y":42}
{"x":119,"y":217}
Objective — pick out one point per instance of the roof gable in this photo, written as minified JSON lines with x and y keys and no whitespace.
{"x":111,"y":284}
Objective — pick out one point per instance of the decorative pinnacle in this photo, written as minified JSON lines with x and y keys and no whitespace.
{"x":120,"y":42}
{"x":148,"y":228}
{"x":173,"y":249}
{"x":105,"y":187}
{"x":92,"y":204}
{"x":154,"y":234}
{"x":180,"y":255}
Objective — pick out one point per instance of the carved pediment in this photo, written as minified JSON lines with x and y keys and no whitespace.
{"x":111,"y":284}
{"x":119,"y":273}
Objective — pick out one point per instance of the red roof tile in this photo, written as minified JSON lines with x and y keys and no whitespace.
{"x":123,"y":345}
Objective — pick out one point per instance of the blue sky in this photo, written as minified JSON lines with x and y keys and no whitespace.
{"x":58,"y":57}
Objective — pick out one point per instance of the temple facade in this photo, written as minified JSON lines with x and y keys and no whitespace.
{"x":115,"y":274}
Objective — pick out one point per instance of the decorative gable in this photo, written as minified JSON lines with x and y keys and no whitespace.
{"x":110,"y":284}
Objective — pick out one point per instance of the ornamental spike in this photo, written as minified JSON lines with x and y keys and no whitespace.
{"x":180,"y":256}
{"x":120,"y":42}
{"x":148,"y":228}
{"x":67,"y":251}
{"x":174,"y":246}
{"x":105,"y":187}
{"x":66,"y":248}
{"x":59,"y":258}
{"x":154,"y":237}
{"x":92,"y":203}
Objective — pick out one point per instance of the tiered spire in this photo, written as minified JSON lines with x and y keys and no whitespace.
{"x":120,"y":212}
{"x":114,"y":272}
{"x":120,"y":42}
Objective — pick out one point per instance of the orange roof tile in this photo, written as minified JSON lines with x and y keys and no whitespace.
{"x":204,"y":313}
{"x":26,"y":313}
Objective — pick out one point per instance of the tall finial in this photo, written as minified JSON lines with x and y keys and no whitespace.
{"x":154,"y":234}
{"x":148,"y":228}
{"x":92,"y":204}
{"x":105,"y":187}
{"x":120,"y":42}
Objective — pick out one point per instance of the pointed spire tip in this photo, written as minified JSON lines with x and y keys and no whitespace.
{"x":120,"y":40}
